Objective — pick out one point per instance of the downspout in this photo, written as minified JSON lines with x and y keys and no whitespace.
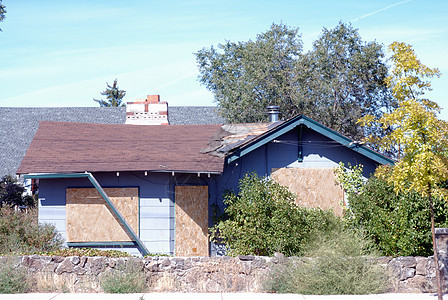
{"x":300,"y":145}
{"x":141,"y":247}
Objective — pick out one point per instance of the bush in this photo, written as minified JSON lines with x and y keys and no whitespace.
{"x":263,"y":219}
{"x":337,"y":265}
{"x":65,"y":252}
{"x":127,"y":279}
{"x":398,"y":223}
{"x":12,"y":280}
{"x":22,"y":233}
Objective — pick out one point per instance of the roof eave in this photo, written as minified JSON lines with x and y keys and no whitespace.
{"x":316,"y":126}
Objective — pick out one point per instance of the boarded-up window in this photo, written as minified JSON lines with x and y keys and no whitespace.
{"x":89,"y":219}
{"x":191,"y":220}
{"x":313,"y":187}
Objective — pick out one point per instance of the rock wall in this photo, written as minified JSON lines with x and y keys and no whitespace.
{"x":197,"y":274}
{"x":411,"y":274}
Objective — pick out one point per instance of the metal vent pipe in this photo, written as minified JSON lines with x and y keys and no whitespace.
{"x":273,"y":112}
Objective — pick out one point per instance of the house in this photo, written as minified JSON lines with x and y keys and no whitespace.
{"x":152,"y":188}
{"x":18,"y":125}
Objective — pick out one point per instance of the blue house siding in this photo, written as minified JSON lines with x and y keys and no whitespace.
{"x":156,"y":204}
{"x":156,"y":198}
{"x":318,"y":151}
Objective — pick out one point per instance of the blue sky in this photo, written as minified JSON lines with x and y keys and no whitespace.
{"x":62,"y":53}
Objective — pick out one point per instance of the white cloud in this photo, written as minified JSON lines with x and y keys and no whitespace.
{"x":379,"y":10}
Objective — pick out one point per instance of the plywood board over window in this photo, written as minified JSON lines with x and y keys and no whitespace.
{"x":89,"y":219}
{"x":191,"y":220}
{"x":314,"y":187}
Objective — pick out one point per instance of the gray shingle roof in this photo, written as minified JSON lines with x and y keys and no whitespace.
{"x":194,"y":115}
{"x":18,"y":125}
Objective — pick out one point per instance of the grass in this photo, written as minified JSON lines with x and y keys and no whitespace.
{"x":85,"y":252}
{"x":341,"y":264}
{"x":13,"y":280}
{"x":127,"y":279}
{"x":21,"y":233}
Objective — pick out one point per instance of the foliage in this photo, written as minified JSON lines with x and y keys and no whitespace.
{"x":113,"y":95}
{"x":337,"y":264}
{"x":336,"y":83}
{"x":2,"y":12}
{"x":157,"y":254}
{"x":251,"y":75}
{"x":420,"y":138}
{"x":345,"y":77}
{"x":130,"y":279}
{"x":12,"y":193}
{"x":85,"y":252}
{"x":22,"y":233}
{"x":397,"y":223}
{"x":350,"y":178}
{"x":416,"y":132}
{"x":263,"y":219}
{"x":13,"y":280}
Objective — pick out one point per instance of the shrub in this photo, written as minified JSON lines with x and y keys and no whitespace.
{"x":12,"y":280}
{"x":338,"y":265}
{"x":127,"y":279}
{"x":85,"y":252}
{"x":263,"y":219}
{"x":398,"y":223}
{"x":22,"y":233}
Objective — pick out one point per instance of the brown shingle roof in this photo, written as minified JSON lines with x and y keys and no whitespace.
{"x":79,"y":147}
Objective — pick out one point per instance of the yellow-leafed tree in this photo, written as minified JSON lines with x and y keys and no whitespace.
{"x":415,"y":132}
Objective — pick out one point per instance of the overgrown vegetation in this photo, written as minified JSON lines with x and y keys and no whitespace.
{"x":418,"y":134}
{"x":398,"y":223}
{"x":127,"y":279}
{"x":340,"y":263}
{"x":157,"y":254}
{"x":85,"y":252}
{"x":21,"y":233}
{"x":263,"y":219}
{"x":13,"y":280}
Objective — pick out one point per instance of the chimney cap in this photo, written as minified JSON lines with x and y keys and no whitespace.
{"x":273,"y":108}
{"x":273,"y":112}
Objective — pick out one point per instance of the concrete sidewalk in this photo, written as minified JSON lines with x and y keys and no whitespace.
{"x":213,"y":296}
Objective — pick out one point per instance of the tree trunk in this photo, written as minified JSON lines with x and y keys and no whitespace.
{"x":434,"y":247}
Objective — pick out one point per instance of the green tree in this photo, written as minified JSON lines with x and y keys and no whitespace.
{"x":113,"y":95}
{"x":246,"y":77}
{"x":2,"y":12}
{"x":263,"y":219}
{"x":12,"y":193}
{"x":396,"y":222}
{"x":336,"y":83}
{"x":345,"y":78}
{"x":417,"y":133}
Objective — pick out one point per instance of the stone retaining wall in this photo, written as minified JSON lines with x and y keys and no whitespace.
{"x":197,"y":274}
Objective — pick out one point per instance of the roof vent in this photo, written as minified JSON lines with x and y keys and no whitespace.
{"x":273,"y":112}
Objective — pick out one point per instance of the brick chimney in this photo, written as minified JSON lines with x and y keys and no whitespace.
{"x":149,"y":111}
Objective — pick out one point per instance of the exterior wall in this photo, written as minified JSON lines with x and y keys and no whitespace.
{"x":157,"y":198}
{"x":156,"y":207}
{"x":318,"y":152}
